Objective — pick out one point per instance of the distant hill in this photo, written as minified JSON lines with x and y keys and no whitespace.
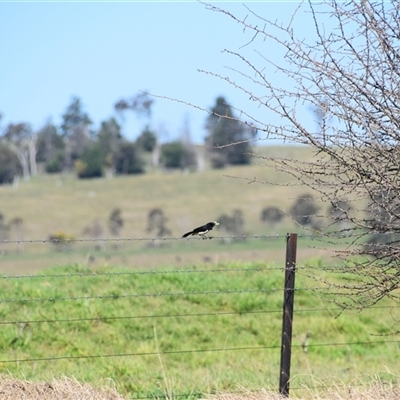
{"x":50,"y":204}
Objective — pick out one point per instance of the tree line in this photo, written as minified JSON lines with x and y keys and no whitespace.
{"x":74,"y":146}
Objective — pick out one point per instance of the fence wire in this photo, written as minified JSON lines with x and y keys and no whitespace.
{"x":143,"y":272}
{"x":159,"y":294}
{"x":193,"y":351}
{"x":312,"y":236}
{"x":155,"y":239}
{"x":94,"y":274}
{"x":186,"y":315}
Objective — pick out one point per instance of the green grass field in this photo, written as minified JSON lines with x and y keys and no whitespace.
{"x":149,"y":332}
{"x":153,"y":336}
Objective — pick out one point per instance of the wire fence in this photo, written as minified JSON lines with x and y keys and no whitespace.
{"x":330,"y":310}
{"x":312,"y":236}
{"x":192,"y":351}
{"x":153,"y":239}
{"x":31,"y":301}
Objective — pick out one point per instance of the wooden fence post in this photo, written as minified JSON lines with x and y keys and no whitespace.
{"x":287,"y":318}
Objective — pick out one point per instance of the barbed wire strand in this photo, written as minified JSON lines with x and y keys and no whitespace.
{"x":142,"y":354}
{"x":93,"y":274}
{"x":299,"y":268}
{"x":141,"y":272}
{"x":123,"y":296}
{"x":158,"y":294}
{"x":180,"y":238}
{"x":192,"y":351}
{"x":192,"y":315}
{"x":100,"y":318}
{"x":153,"y":239}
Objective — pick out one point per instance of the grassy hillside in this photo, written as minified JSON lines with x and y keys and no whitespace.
{"x":61,"y":202}
{"x":167,"y":333}
{"x":52,"y":203}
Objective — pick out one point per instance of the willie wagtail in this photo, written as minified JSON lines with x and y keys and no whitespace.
{"x":201,"y":230}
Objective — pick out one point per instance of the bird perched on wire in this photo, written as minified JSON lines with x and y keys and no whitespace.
{"x":201,"y":230}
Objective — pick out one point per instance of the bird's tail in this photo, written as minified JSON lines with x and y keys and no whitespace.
{"x":187,"y":234}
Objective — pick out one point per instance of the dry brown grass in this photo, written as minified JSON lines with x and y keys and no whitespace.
{"x":58,"y":389}
{"x":71,"y":389}
{"x":375,"y":390}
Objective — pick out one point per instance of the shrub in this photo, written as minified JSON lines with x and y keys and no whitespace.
{"x":156,"y":223}
{"x":177,"y":155}
{"x":56,"y":163}
{"x":303,"y":210}
{"x":4,"y":228}
{"x":234,"y":224}
{"x":127,"y":159}
{"x":115,"y":222}
{"x":9,"y":165}
{"x":271,"y":214}
{"x":62,"y":240}
{"x":90,"y":164}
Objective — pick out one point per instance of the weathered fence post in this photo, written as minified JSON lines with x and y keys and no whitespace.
{"x":287,"y":318}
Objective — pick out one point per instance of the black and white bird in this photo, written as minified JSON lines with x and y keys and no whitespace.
{"x":201,"y":230}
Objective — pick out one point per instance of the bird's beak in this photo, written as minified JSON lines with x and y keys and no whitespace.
{"x":216,"y":223}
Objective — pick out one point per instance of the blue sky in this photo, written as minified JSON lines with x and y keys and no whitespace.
{"x":103,"y":51}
